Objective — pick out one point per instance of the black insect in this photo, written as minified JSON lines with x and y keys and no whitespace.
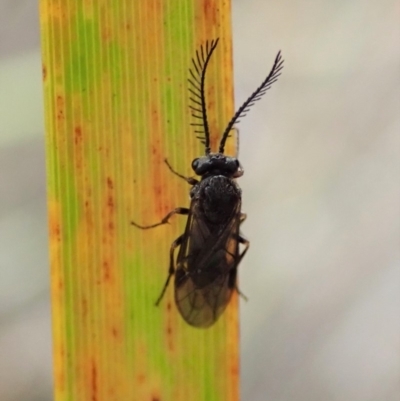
{"x":206,"y":266}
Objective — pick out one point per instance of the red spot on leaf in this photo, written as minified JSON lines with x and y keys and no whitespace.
{"x":210,"y":12}
{"x":56,"y":231}
{"x":110,"y":205}
{"x":106,"y":34}
{"x":94,"y":381}
{"x":115,"y":333}
{"x":84,"y":307}
{"x":44,"y":72}
{"x":78,"y":135}
{"x":106,"y":268}
{"x":234,"y":370}
{"x":60,"y":107}
{"x":110,"y":202}
{"x":170,"y":337}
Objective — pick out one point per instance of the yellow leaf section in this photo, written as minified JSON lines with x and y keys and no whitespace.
{"x":116,"y":95}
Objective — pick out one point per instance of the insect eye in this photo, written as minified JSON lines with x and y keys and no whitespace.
{"x":239,"y":170}
{"x":195,"y":164}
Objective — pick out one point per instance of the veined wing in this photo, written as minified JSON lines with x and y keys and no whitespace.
{"x":206,"y":268}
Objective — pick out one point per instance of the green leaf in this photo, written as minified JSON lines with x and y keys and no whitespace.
{"x":115,"y":86}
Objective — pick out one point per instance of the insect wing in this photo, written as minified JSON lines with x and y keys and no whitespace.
{"x":206,"y":268}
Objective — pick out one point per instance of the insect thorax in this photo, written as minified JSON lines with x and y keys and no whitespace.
{"x":218,"y":197}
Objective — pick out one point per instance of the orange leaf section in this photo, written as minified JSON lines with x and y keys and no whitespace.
{"x":115,"y":83}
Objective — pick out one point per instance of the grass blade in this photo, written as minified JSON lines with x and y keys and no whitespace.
{"x":115,"y":84}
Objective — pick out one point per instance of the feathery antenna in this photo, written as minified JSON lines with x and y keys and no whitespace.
{"x":197,"y":92}
{"x":257,"y":95}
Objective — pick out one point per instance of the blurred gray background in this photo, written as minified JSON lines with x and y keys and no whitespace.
{"x":321,"y":189}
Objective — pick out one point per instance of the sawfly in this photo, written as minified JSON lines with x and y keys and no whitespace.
{"x":209,"y":254}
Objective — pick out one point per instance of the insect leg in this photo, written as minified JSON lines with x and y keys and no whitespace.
{"x":190,"y":180}
{"x":171,"y":269}
{"x":246,"y":244}
{"x":178,"y":210}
